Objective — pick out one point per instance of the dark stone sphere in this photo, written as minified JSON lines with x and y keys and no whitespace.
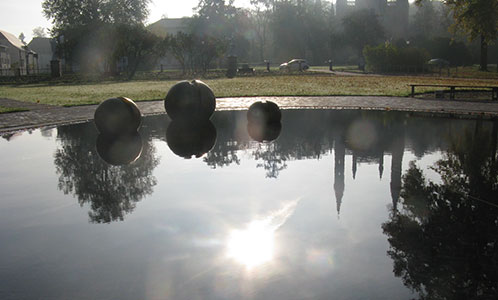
{"x":117,"y":116}
{"x":264,"y":112}
{"x":187,"y":139}
{"x":264,"y":132}
{"x":121,"y":149}
{"x":190,"y":99}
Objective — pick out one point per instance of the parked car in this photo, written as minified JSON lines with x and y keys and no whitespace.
{"x":295,"y":65}
{"x":244,"y":68}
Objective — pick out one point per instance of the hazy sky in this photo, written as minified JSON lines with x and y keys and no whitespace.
{"x":18,"y":16}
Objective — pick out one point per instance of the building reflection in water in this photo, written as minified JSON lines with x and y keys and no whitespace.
{"x":367,"y":139}
{"x":339,"y":155}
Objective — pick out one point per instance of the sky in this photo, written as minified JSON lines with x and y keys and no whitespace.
{"x":18,"y":16}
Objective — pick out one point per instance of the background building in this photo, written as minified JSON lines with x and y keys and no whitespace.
{"x":45,"y":48}
{"x":16,"y":58}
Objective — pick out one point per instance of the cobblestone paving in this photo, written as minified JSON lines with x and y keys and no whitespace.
{"x":44,"y":115}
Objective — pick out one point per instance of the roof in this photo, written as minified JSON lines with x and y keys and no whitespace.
{"x":12,"y":40}
{"x":164,"y":27}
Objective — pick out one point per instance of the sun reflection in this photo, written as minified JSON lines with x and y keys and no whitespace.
{"x":253,"y":246}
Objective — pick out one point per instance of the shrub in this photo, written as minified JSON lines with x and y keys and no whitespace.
{"x":388,"y":58}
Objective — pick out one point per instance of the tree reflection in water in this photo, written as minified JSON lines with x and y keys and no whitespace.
{"x":444,"y":238}
{"x":224,"y":152}
{"x":111,"y":191}
{"x":273,"y":161}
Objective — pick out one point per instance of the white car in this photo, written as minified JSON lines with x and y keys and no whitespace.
{"x":295,"y":65}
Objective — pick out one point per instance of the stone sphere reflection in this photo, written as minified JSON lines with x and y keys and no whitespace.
{"x":117,"y":116}
{"x":264,"y":112}
{"x":187,"y":139}
{"x":263,"y":132}
{"x":190,"y":99}
{"x":120,"y":149}
{"x":362,"y":135}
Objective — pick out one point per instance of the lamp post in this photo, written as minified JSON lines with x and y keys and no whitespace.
{"x":267,"y":62}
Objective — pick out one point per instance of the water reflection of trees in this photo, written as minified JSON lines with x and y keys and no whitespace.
{"x":444,"y":237}
{"x":306,"y":134}
{"x":111,"y":191}
{"x":310,"y":134}
{"x":224,"y":152}
{"x":272,"y":160}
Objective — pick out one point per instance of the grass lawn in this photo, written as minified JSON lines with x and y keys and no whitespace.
{"x":307,"y":84}
{"x":4,"y":110}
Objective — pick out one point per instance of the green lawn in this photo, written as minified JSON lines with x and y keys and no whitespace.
{"x":306,"y":84}
{"x":11,"y":109}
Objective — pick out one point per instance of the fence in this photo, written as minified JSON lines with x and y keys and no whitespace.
{"x":15,"y":72}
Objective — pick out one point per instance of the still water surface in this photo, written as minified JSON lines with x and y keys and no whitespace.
{"x":342,"y":205}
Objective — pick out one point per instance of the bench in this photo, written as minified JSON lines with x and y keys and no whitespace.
{"x":452,"y":87}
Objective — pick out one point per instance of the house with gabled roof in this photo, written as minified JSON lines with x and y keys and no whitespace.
{"x":17,"y":59}
{"x":4,"y":61}
{"x":45,"y":48}
{"x":168,"y":26}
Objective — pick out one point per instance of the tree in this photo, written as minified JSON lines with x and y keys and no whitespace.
{"x":67,"y":13}
{"x":83,"y":28}
{"x":135,"y":43}
{"x":362,"y":28}
{"x":316,"y":20}
{"x":207,"y":49}
{"x":261,"y":19}
{"x":194,"y":52}
{"x":287,"y":33}
{"x":214,"y":17}
{"x":479,"y":18}
{"x":39,"y":32}
{"x":221,"y":20}
{"x":22,"y":37}
{"x":180,"y":46}
{"x":425,"y":21}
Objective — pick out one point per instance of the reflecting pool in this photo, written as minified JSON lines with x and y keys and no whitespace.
{"x":341,"y":205}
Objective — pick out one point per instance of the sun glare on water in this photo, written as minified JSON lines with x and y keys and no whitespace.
{"x":254,"y":245}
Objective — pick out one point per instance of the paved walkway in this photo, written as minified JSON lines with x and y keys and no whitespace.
{"x":45,"y":115}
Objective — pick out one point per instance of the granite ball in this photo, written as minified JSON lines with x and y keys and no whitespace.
{"x":117,"y":116}
{"x":264,"y":132}
{"x":187,"y":139}
{"x":121,"y":149}
{"x":264,"y":112}
{"x":190,"y":100}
